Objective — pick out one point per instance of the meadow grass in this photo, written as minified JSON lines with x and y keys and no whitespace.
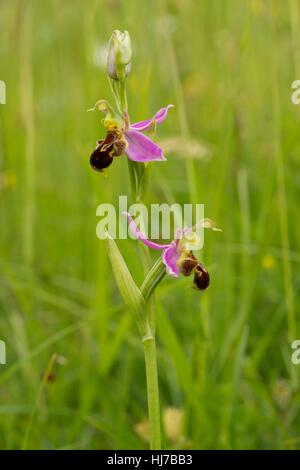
{"x":224,"y":354}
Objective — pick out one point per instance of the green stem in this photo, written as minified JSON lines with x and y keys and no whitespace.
{"x":152,"y":392}
{"x":133,"y":182}
{"x":154,"y":276}
{"x":137,"y":175}
{"x":123,"y":96}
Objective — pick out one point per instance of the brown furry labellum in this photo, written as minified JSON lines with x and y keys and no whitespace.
{"x":201,"y":278}
{"x":190,"y":265}
{"x":112,"y":146}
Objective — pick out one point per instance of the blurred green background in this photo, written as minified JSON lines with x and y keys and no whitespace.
{"x":232,"y":143}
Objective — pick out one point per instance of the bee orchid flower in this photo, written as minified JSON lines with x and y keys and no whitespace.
{"x":177,"y":255}
{"x":125,"y":138}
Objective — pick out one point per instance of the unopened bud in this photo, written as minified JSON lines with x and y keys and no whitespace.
{"x":119,"y":55}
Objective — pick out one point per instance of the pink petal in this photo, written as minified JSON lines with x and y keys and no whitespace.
{"x":159,"y":117}
{"x":170,"y":258}
{"x":138,"y":234}
{"x":141,"y":148}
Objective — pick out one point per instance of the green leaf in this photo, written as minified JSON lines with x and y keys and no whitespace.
{"x":129,"y":291}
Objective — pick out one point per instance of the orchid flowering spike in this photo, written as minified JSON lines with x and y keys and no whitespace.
{"x":176,"y":255}
{"x":122,"y":137}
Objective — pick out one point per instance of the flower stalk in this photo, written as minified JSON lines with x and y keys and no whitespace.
{"x":153,"y":278}
{"x":149,"y":345}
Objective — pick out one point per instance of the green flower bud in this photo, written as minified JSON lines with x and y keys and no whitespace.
{"x":119,"y":55}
